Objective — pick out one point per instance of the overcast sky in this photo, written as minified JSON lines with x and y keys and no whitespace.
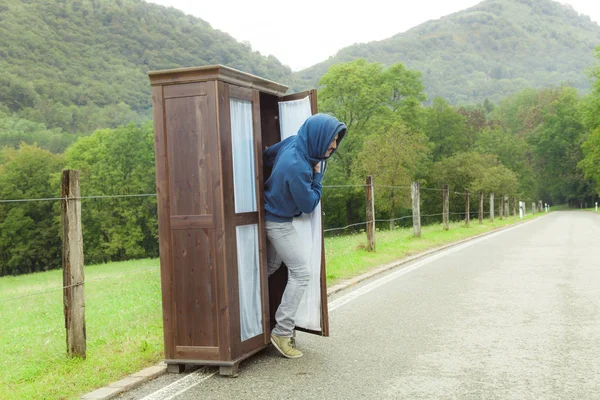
{"x":310,"y":31}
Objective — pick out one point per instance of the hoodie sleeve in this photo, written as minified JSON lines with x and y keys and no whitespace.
{"x":305,"y":188}
{"x":271,"y":152}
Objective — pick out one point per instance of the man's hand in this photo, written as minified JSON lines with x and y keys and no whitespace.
{"x":317,"y":168}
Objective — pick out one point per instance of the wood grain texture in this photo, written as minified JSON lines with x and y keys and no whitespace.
{"x":228,"y":253}
{"x":248,"y":218}
{"x":215,"y":73}
{"x":192,"y":222}
{"x":164,"y":229}
{"x":185,"y":90}
{"x":262,"y":236}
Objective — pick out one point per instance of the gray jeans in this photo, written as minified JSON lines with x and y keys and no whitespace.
{"x":285,"y":245}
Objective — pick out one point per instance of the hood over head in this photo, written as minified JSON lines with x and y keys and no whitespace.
{"x":317,"y":133}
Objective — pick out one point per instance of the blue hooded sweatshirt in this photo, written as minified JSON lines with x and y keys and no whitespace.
{"x":293,"y":187}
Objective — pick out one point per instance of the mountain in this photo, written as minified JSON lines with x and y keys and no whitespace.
{"x":73,"y":66}
{"x":488,"y":51}
{"x":68,"y":63}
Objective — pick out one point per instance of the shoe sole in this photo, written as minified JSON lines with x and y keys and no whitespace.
{"x":281,"y":351}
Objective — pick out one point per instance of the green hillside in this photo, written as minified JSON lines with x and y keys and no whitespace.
{"x":79,"y":65}
{"x":488,"y":51}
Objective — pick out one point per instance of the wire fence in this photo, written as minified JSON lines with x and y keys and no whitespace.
{"x":426,"y":218}
{"x":333,"y":229}
{"x":116,"y":196}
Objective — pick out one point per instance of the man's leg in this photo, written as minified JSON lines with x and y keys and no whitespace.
{"x":288,"y":246}
{"x":273,"y":259}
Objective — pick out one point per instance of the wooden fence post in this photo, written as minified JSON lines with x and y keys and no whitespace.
{"x":370,"y":214}
{"x":467,"y":208}
{"x":446,"y":208}
{"x":416,"y":208}
{"x":491,"y":207}
{"x":481,"y":207}
{"x":500,"y":208}
{"x":72,"y":258}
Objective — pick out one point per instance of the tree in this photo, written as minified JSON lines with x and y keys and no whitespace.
{"x":497,"y":179}
{"x":354,"y":93}
{"x":392,"y":158}
{"x":460,"y":172}
{"x":29,"y":231}
{"x":445,"y":129}
{"x":590,"y":164}
{"x":117,"y":162}
{"x":369,"y":100}
{"x":591,"y":104}
{"x":406,"y":94}
{"x":556,"y":145}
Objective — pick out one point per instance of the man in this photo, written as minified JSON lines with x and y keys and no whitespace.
{"x":294,"y":187}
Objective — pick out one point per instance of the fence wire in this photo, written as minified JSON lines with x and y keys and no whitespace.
{"x":115,"y":196}
{"x":394,"y":219}
{"x":79,"y":198}
{"x":346,"y":227}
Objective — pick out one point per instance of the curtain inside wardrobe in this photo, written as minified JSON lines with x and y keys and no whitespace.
{"x":292,"y":115}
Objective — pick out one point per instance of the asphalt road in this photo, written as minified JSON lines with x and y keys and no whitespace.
{"x":515,"y":315}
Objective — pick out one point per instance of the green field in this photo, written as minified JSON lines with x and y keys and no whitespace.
{"x":123,"y":313}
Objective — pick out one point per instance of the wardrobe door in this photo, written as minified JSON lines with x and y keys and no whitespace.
{"x":312,"y":315}
{"x":241,"y":143}
{"x":186,"y":151}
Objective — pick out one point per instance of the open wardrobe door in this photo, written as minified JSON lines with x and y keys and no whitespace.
{"x":312,"y":315}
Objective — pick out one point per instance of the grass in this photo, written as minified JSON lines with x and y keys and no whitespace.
{"x":123,"y":324}
{"x":123,"y":313}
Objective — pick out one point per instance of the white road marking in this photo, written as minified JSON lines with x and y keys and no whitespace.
{"x":182,"y":385}
{"x":186,"y":383}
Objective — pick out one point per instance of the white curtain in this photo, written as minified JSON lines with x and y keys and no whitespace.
{"x":249,"y":281}
{"x":292,"y":115}
{"x":242,"y":140}
{"x":244,"y":190}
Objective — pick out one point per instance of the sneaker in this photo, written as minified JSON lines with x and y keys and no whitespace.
{"x":286,"y":346}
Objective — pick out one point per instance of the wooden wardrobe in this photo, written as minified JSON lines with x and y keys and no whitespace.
{"x":211,"y":126}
